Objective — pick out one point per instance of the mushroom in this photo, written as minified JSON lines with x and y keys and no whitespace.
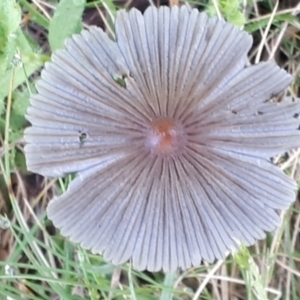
{"x":170,"y":132}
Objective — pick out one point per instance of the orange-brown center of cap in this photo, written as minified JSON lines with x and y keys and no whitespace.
{"x":165,"y":136}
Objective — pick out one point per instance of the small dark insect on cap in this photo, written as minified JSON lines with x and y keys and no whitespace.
{"x":171,"y":135}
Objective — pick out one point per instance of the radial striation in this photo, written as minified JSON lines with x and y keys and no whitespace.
{"x":171,"y":135}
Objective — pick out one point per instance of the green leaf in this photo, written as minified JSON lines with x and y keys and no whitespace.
{"x":10,"y":18}
{"x":20,"y":162}
{"x":65,"y":22}
{"x":237,"y":19}
{"x":20,"y":102}
{"x":251,"y":272}
{"x":242,"y":257}
{"x":37,"y":17}
{"x":31,"y":62}
{"x":18,"y":111}
{"x":263,"y":22}
{"x":230,"y":9}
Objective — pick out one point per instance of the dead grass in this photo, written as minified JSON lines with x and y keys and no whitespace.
{"x":37,"y":264}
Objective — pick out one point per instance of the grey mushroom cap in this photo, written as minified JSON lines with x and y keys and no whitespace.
{"x":171,"y":135}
